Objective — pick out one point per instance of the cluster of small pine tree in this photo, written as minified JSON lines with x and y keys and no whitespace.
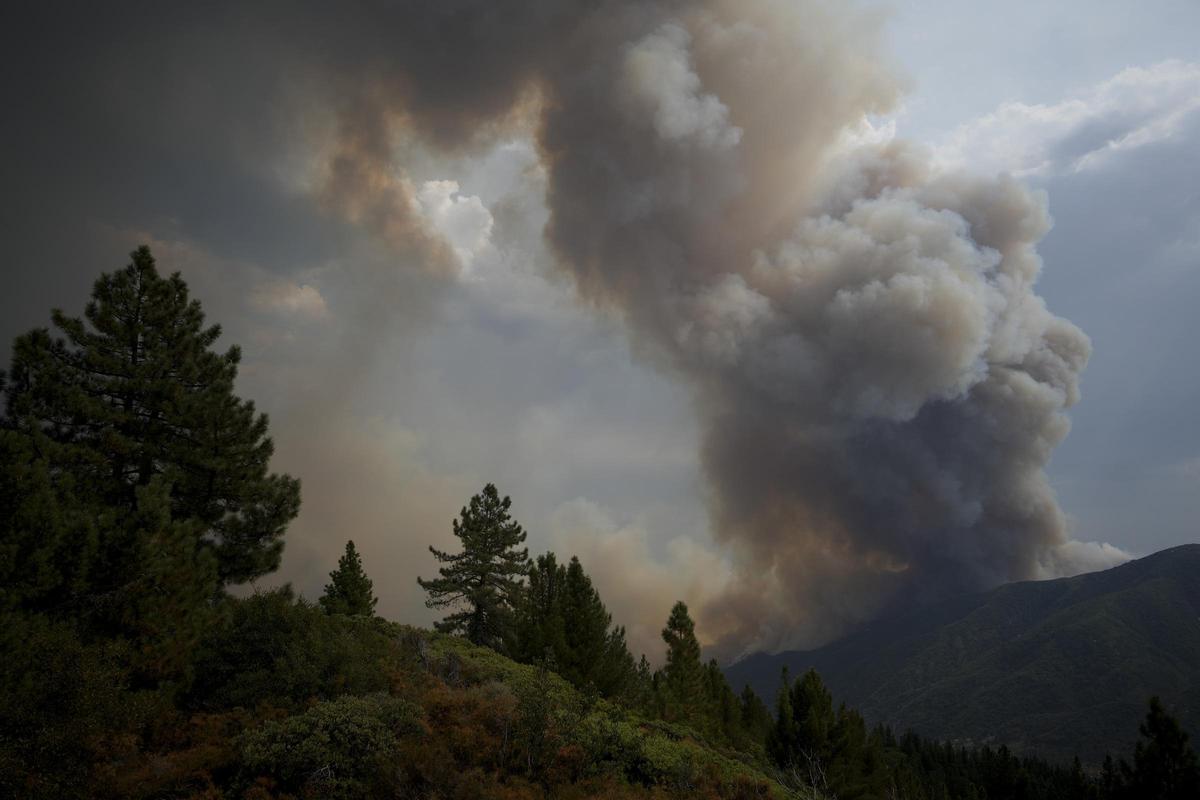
{"x":833,"y":752}
{"x":547,"y":613}
{"x":561,"y":620}
{"x":557,"y":620}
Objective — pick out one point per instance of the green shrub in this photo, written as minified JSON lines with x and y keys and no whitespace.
{"x":272,"y":648}
{"x":343,"y":748}
{"x":61,"y":700}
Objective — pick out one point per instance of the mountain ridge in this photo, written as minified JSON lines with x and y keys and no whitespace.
{"x":1030,"y":664}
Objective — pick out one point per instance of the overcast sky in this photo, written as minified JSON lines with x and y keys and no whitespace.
{"x":397,"y":388}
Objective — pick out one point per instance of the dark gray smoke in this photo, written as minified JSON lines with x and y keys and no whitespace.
{"x":880,"y":386}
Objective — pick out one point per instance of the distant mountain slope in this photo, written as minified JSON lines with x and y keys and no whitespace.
{"x":1059,"y":667}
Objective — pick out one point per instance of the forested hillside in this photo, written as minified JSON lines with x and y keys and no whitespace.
{"x":1060,"y":667}
{"x":136,"y":496}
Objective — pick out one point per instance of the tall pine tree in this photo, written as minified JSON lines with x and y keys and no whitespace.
{"x":483,"y":582}
{"x":682,"y":683}
{"x":132,"y":392}
{"x":802,"y":738}
{"x":539,"y":628}
{"x":349,"y":590}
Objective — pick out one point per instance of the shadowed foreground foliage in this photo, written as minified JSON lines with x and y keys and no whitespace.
{"x":134,"y":489}
{"x":289,"y":701}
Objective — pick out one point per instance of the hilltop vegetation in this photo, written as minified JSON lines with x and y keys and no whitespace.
{"x":135,"y":494}
{"x":288,"y":701}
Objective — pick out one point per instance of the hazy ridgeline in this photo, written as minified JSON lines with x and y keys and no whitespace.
{"x":135,"y":491}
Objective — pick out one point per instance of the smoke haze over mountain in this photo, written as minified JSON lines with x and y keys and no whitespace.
{"x":878,"y":387}
{"x":879,"y":384}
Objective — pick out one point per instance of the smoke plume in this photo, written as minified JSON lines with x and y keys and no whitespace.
{"x":879,"y":385}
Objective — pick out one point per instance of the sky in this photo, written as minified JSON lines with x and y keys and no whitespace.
{"x":429,"y":296}
{"x":1123,"y":258}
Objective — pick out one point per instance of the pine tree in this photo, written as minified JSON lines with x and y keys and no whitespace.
{"x":561,"y":613}
{"x":783,"y":737}
{"x":641,"y":692}
{"x":163,"y":606}
{"x":755,"y":716}
{"x":617,"y":675}
{"x":812,"y":707}
{"x":722,"y":708}
{"x":1164,"y":763}
{"x":853,"y":769}
{"x":132,"y":392}
{"x":683,"y":675}
{"x":49,"y":539}
{"x":801,"y":740}
{"x":1111,"y":784}
{"x":483,"y":582}
{"x":349,"y":590}
{"x":136,"y":575}
{"x":586,"y":630}
{"x":540,"y":628}
{"x":595,"y":656}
